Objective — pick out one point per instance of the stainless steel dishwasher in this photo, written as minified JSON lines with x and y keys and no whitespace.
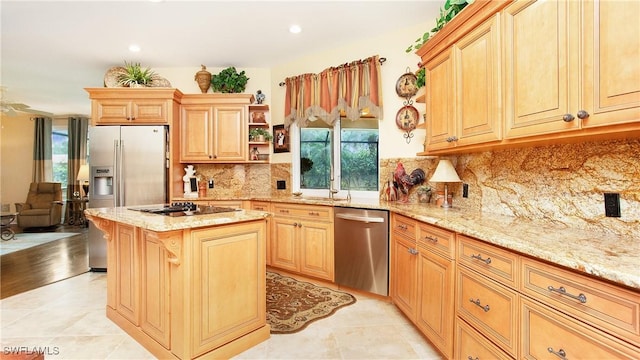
{"x":361,"y":245}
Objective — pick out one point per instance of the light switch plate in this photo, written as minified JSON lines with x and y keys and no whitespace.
{"x":612,"y":204}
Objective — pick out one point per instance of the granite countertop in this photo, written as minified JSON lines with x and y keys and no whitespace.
{"x":607,"y":256}
{"x":157,"y":222}
{"x":610,"y":257}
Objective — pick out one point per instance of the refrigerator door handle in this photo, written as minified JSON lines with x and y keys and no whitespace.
{"x":116,"y":191}
{"x":121,"y":175}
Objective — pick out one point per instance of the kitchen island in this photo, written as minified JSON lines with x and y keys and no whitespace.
{"x":188,"y":287}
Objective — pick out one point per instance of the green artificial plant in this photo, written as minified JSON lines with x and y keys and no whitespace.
{"x":255,"y":132}
{"x":450,"y":9}
{"x":229,"y":80}
{"x":133,"y":74}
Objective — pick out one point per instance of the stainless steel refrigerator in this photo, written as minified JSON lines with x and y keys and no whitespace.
{"x":128,"y":166}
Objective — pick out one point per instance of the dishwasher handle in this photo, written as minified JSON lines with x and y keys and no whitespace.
{"x":365,"y":219}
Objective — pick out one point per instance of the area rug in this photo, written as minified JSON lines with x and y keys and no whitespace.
{"x":26,"y":240}
{"x":293,"y":304}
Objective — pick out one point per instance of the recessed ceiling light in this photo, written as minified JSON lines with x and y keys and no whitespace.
{"x":134,"y":48}
{"x":295,"y":29}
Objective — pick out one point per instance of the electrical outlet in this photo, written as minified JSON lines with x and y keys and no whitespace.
{"x":465,"y":190}
{"x":281,"y":184}
{"x":612,"y":204}
{"x":210,"y":183}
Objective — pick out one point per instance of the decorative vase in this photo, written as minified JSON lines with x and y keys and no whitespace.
{"x":203,"y":77}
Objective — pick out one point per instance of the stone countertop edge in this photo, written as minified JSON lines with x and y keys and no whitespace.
{"x":606,"y":256}
{"x":161,"y":223}
{"x":603,"y":255}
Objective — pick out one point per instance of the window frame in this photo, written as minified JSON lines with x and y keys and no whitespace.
{"x":337,"y":168}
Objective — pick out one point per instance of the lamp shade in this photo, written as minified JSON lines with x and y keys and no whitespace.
{"x":83,"y":173}
{"x":445,"y":172}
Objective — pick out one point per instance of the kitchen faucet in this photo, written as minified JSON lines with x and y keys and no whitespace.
{"x":332,"y":191}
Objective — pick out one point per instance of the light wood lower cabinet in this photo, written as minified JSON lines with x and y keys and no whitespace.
{"x":302,"y":240}
{"x":423,"y":278}
{"x":472,"y":345}
{"x":188,"y":293}
{"x":547,"y":333}
{"x":266,"y":207}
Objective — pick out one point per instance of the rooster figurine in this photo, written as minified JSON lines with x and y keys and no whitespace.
{"x":405,"y":181}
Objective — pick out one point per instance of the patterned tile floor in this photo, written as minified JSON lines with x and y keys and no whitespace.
{"x":66,"y":320}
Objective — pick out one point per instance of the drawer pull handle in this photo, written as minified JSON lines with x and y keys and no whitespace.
{"x":433,"y":239}
{"x":560,"y":353}
{"x":413,"y":251}
{"x":477,"y":302}
{"x":479,"y":257}
{"x":402,"y":227}
{"x":562,"y":291}
{"x":284,"y":211}
{"x":470,"y":358}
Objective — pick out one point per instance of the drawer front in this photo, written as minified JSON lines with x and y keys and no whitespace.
{"x":404,"y":226}
{"x":311,"y":212}
{"x":490,"y":307}
{"x":611,"y":308}
{"x":437,"y":239}
{"x":261,"y":205}
{"x":547,"y":333}
{"x":497,"y":264}
{"x":471,"y":345}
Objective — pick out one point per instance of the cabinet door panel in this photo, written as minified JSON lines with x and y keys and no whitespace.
{"x":612,"y":55}
{"x":440,"y":101}
{"x":540,"y":81}
{"x":128,"y":273}
{"x":195,"y":133}
{"x":230,"y":133}
{"x":229,"y":306}
{"x":150,"y":111}
{"x":316,"y":250}
{"x":111,"y":111}
{"x":436,"y":307}
{"x":477,"y":86}
{"x":284,"y":248}
{"x":404,"y":269}
{"x":155,"y":314}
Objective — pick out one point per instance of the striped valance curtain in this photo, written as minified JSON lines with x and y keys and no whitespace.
{"x":349,"y":88}
{"x":42,"y":151}
{"x":77,"y":152}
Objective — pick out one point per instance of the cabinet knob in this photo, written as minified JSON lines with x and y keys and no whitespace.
{"x":295,"y":224}
{"x":567,"y":118}
{"x":210,"y":156}
{"x":582,"y":114}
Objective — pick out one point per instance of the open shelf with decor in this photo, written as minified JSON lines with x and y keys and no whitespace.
{"x":259,"y":135}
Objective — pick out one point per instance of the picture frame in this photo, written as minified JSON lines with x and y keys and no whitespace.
{"x":281,"y":139}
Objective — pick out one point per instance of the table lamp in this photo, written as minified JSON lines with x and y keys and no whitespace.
{"x":83,"y":178}
{"x":446,"y":173}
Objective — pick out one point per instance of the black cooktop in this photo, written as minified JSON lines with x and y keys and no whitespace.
{"x":183,"y":209}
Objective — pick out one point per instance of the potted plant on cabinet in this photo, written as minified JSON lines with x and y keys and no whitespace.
{"x":450,"y":9}
{"x":260,"y":135}
{"x":133,"y":75}
{"x":229,"y":80}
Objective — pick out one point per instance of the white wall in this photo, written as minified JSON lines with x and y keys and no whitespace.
{"x":16,"y":158}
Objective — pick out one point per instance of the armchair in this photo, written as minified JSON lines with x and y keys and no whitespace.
{"x":43,"y":207}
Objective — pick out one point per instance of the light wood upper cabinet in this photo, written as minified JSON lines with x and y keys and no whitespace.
{"x":214,"y":128}
{"x":526,"y":72}
{"x":124,"y":106}
{"x":611,"y":70}
{"x":463,"y":90}
{"x":541,"y":67}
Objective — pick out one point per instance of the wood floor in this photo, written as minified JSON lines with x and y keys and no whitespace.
{"x":40,"y":265}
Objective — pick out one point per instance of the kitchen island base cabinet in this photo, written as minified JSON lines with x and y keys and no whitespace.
{"x":191,"y":293}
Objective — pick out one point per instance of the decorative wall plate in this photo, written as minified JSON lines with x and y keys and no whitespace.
{"x":407,"y":118}
{"x":406,"y":85}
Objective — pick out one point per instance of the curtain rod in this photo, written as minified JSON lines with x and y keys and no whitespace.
{"x":381,"y":61}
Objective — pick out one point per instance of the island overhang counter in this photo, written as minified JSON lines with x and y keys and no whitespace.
{"x":190,"y":287}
